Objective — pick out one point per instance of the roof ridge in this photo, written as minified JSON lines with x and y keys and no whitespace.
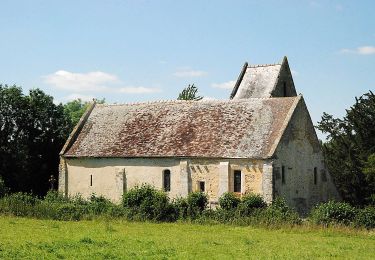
{"x":263,"y":65}
{"x":172,"y":101}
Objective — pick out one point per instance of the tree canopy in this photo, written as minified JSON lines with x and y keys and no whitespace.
{"x":350,"y":150}
{"x":74,"y":109}
{"x":189,"y":93}
{"x":32,"y":132}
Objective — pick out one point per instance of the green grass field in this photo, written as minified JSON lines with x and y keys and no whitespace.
{"x":114,"y":239}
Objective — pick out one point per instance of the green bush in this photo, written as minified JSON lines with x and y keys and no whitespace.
{"x":229,"y":201}
{"x":333,"y":212}
{"x":249,"y":203}
{"x":70,"y":211}
{"x":147,"y":203}
{"x":197,"y":203}
{"x":181,"y":207}
{"x":55,"y":197}
{"x":3,"y":189}
{"x":278,"y":213}
{"x":254,"y":201}
{"x":116,"y":211}
{"x":365,"y":218}
{"x":18,"y":204}
{"x":98,"y":205}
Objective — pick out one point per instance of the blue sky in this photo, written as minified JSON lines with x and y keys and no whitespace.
{"x":130,"y":51}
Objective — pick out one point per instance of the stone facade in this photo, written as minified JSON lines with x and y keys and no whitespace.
{"x":111,"y":177}
{"x":297,"y":159}
{"x":260,"y":141}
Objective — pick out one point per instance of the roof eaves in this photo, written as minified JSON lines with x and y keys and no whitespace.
{"x":168,"y":157}
{"x":77,"y":129}
{"x":239,"y":80}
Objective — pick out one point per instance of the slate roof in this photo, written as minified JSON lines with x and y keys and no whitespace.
{"x":257,"y":81}
{"x":248,"y":128}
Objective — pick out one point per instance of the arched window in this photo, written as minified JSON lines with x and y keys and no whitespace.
{"x":167,"y":180}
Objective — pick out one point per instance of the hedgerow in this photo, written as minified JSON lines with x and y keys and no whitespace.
{"x":145,"y":203}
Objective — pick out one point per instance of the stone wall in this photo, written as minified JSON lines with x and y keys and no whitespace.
{"x":285,"y":77}
{"x":300,"y":155}
{"x":110,"y":177}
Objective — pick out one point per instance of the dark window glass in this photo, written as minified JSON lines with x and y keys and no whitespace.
{"x":201,"y":186}
{"x":237,"y":181}
{"x":283,"y":174}
{"x":315,"y":175}
{"x":90,"y":180}
{"x":167,"y":180}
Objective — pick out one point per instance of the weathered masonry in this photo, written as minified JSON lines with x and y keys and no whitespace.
{"x":261,"y":140}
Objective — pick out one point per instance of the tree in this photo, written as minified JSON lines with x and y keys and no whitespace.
{"x":189,"y":93}
{"x":3,"y":189}
{"x":32,"y":132}
{"x":75,"y":109}
{"x":350,"y":148}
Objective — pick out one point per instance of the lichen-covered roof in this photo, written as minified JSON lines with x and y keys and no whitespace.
{"x":258,"y":81}
{"x":221,"y":129}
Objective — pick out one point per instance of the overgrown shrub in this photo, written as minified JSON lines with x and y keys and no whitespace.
{"x":70,"y":211}
{"x":98,"y":205}
{"x":278,"y":213}
{"x":229,"y":201}
{"x":250,"y":202}
{"x":3,"y":189}
{"x":147,"y":203}
{"x":18,"y":204}
{"x":365,"y":218}
{"x":182,"y":207}
{"x":55,"y":197}
{"x":333,"y":212}
{"x":116,"y":211}
{"x":197,"y":203}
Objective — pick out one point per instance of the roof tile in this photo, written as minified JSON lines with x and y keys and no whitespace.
{"x":245,"y":128}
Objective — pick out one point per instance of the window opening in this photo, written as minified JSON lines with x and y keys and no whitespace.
{"x":202,"y":186}
{"x":167,"y":180}
{"x":237,"y":181}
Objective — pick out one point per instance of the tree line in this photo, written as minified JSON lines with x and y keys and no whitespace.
{"x":33,"y":130}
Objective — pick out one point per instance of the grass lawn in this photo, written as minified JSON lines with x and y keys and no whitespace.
{"x":114,"y":239}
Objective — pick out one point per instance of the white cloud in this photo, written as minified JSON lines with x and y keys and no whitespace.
{"x":96,"y":81}
{"x":224,"y":85}
{"x":138,"y":90}
{"x":189,"y":73}
{"x":363,"y":50}
{"x":81,"y":82}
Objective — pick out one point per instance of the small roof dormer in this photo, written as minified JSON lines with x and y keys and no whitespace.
{"x":264,"y":81}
